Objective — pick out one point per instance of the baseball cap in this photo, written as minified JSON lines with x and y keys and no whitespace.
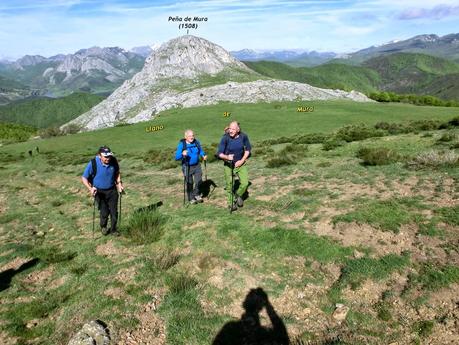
{"x":105,"y":151}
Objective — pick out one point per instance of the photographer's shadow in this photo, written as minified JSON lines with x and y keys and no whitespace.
{"x":248,"y":330}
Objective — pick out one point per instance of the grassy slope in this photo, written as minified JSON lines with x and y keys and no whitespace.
{"x":401,"y":73}
{"x":8,"y":84}
{"x":42,"y":113}
{"x":281,"y":240}
{"x":329,"y":75}
{"x":413,"y":73}
{"x":257,"y":119}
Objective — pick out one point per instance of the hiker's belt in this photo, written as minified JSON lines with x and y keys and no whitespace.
{"x":106,"y":189}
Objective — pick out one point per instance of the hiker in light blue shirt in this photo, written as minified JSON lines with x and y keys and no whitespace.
{"x":189,"y":150}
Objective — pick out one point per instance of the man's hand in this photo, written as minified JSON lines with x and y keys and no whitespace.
{"x":238,"y":163}
{"x":204,"y":157}
{"x":120,"y":188}
{"x":93,"y":191}
{"x":184,"y":152}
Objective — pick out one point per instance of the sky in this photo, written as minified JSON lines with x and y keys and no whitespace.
{"x":50,"y":27}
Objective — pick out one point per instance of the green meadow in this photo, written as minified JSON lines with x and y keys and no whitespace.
{"x":351,"y":203}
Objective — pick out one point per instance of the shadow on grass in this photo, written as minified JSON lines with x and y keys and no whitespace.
{"x":149,"y":208}
{"x":207,"y":187}
{"x":248,"y":330}
{"x":7,"y":276}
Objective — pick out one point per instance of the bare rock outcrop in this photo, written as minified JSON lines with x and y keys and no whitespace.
{"x":189,"y":71}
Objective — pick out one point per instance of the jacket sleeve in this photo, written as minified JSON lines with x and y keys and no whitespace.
{"x":201,"y":152}
{"x":87,"y":171}
{"x":178,"y":152}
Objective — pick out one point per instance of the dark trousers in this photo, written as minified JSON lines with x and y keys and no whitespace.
{"x":193,"y":177}
{"x":107,"y":201}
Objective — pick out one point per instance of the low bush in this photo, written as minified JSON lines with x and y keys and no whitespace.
{"x":11,"y":132}
{"x":332,"y":143}
{"x":166,"y":259}
{"x":358,"y":132}
{"x":276,"y":162}
{"x":423,"y":328}
{"x":377,"y":156}
{"x":434,"y":159}
{"x":50,"y":132}
{"x":394,"y":128}
{"x":313,"y":138}
{"x":447,"y":137}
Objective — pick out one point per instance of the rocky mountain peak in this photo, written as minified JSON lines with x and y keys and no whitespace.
{"x":187,"y":57}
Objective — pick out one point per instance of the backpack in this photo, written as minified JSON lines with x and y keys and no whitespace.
{"x":183,"y":141}
{"x":113,"y":161}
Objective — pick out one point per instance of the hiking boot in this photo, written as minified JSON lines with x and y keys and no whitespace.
{"x":194,"y":202}
{"x":239,"y":201}
{"x":198,"y":198}
{"x":233,"y":207}
{"x":115,"y":233}
{"x":104,"y":230}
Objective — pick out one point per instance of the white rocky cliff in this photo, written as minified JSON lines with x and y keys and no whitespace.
{"x":182,"y":73}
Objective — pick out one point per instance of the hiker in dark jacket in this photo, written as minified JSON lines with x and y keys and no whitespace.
{"x":189,"y":150}
{"x":104,"y":184}
{"x":234,"y":149}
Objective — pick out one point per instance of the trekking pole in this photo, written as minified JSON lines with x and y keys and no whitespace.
{"x":93,"y":215}
{"x":205,"y":170}
{"x":188,"y":180}
{"x":185,"y":181}
{"x":232,"y":186}
{"x":119,"y":215}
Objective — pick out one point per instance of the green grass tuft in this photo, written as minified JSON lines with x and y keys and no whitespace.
{"x":145,"y":227}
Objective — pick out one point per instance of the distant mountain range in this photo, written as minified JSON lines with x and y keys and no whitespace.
{"x":424,"y":64}
{"x":291,"y":57}
{"x":95,"y":70}
{"x":446,"y":47}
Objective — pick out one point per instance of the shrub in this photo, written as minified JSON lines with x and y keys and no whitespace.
{"x":11,"y":132}
{"x":145,"y":227}
{"x":50,"y":132}
{"x":71,"y":129}
{"x":295,"y":149}
{"x":423,"y":328}
{"x":165,"y":260}
{"x":393,"y":128}
{"x":332,"y":144}
{"x":425,"y":125}
{"x":263,"y":151}
{"x":358,"y":132}
{"x":313,"y":138}
{"x":211,"y":150}
{"x":276,"y":162}
{"x":434,"y":159}
{"x":377,"y":156}
{"x":447,"y":137}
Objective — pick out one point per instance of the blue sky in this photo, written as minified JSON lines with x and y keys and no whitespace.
{"x":49,"y":27}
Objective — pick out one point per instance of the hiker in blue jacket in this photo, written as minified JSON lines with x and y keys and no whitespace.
{"x":103,"y":179}
{"x":234,"y":149}
{"x":189,"y":150}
